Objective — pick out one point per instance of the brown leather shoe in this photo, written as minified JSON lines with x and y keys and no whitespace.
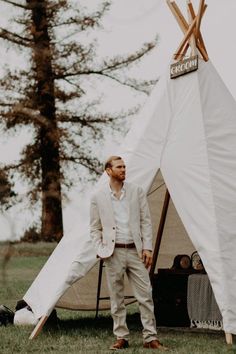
{"x":120,"y":344}
{"x":154,"y":344}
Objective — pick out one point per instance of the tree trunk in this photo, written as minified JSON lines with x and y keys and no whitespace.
{"x":52,"y":224}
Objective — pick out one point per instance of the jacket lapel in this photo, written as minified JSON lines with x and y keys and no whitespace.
{"x":108,"y":203}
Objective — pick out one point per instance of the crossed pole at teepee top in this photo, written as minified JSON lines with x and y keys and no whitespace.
{"x":191,"y":29}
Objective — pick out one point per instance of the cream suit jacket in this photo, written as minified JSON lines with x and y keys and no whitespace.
{"x":102,"y":222}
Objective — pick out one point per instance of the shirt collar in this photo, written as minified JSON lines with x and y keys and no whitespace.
{"x":123,"y":190}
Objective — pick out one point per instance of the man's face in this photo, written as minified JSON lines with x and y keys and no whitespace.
{"x":117,"y":171}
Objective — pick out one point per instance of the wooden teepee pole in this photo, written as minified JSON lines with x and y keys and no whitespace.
{"x":38,"y":327}
{"x":159,"y":234}
{"x":191,"y":29}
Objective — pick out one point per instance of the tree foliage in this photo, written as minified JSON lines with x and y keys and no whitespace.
{"x":6,"y":193}
{"x":50,"y":96}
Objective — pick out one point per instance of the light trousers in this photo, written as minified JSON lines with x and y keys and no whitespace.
{"x":128,"y":261}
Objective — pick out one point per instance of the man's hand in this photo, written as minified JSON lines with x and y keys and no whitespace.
{"x":147,"y":258}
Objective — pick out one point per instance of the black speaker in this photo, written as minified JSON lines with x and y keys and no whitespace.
{"x":170,"y":298}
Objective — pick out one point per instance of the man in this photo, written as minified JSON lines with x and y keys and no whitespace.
{"x":121,"y":231}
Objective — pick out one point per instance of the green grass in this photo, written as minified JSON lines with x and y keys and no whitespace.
{"x":80,"y":332}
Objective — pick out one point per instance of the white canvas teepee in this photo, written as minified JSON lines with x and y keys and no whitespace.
{"x":188,"y":131}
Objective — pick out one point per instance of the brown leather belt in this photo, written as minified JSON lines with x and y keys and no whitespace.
{"x":125,"y":245}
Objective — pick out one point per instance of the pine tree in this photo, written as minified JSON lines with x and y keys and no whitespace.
{"x":6,"y":193}
{"x":50,"y":97}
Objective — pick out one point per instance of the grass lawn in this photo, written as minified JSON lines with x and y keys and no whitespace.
{"x":80,"y":332}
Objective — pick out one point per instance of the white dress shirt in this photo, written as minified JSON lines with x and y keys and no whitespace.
{"x":121,"y":215}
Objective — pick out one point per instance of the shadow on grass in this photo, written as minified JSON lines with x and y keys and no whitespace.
{"x":85,"y":325}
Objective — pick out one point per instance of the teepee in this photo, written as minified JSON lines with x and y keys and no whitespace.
{"x":187,"y":130}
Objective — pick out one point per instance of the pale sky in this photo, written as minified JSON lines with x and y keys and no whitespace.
{"x":129,"y":24}
{"x":150,"y":16}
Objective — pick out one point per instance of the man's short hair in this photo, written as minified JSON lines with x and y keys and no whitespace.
{"x":108,"y":163}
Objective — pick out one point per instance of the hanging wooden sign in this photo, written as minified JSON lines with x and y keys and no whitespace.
{"x":184,"y":67}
